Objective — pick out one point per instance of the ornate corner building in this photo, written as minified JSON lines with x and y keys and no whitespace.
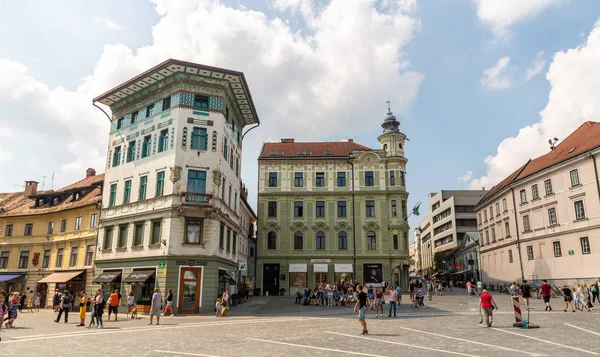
{"x":332,"y":211}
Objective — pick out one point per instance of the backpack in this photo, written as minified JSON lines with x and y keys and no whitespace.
{"x":594,"y":288}
{"x":65,"y":300}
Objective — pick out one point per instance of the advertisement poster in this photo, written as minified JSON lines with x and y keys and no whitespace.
{"x":373,"y":274}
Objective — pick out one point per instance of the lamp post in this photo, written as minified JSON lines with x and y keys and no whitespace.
{"x":354,"y":277}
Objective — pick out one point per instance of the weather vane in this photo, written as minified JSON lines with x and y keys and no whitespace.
{"x":389,"y":108}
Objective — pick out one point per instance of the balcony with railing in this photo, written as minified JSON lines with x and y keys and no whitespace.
{"x":193,"y":198}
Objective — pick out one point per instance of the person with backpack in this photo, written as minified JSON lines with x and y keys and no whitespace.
{"x":64,"y":307}
{"x":56,"y":300}
{"x":594,"y":291}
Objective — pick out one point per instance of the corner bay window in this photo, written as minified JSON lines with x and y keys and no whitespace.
{"x":193,"y":230}
{"x":201,"y":101}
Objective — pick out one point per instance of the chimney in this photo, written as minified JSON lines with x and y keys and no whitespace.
{"x":30,"y":188}
{"x":90,"y":172}
{"x":350,"y":140}
{"x":291,"y":140}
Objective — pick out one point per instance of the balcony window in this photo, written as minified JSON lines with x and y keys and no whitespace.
{"x":369,"y":178}
{"x":116,"y":159}
{"x":130,"y":151}
{"x":163,"y":140}
{"x":199,"y":139}
{"x":143,"y":186}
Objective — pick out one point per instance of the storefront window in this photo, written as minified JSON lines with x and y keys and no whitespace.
{"x":341,"y":277}
{"x":142,"y":292}
{"x":298,"y":281}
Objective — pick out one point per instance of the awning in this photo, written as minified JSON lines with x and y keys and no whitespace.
{"x":298,"y":268}
{"x":320,"y":268}
{"x":8,"y":277}
{"x":139,"y":276}
{"x":60,"y":277}
{"x":343,"y":268}
{"x":107,"y":277}
{"x":230,"y":279}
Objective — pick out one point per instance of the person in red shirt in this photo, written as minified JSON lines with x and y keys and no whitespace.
{"x":546,"y":290}
{"x":488,"y":304}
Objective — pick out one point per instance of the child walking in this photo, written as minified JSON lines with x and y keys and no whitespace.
{"x":218,"y":308}
{"x":30,"y":305}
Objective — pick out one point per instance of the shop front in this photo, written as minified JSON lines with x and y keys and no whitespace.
{"x":109,"y":280}
{"x":190,"y":289}
{"x":142,"y":282}
{"x":72,"y":280}
{"x":225,"y":281}
{"x":342,"y":272}
{"x":373,"y":274}
{"x":320,"y":270}
{"x":11,"y":282}
{"x":298,"y":277}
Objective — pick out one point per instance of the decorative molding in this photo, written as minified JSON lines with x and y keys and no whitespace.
{"x":298,"y":226}
{"x":342,"y":226}
{"x":321,"y":226}
{"x":370,"y":226}
{"x":175,"y":173}
{"x":271,"y":226}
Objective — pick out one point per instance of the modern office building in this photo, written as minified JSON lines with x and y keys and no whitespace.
{"x":172,"y":215}
{"x":452,"y":214}
{"x":49,"y":237}
{"x":332,"y":211}
{"x":543,"y":220}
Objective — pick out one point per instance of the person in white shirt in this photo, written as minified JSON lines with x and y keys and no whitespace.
{"x":479,"y":287}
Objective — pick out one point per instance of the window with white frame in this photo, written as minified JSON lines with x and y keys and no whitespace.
{"x":526,"y":226}
{"x":585,"y":245}
{"x":523,"y":196}
{"x":497,"y":208}
{"x":510,"y":256}
{"x":552,"y":216}
{"x":574,"y":174}
{"x":493,"y":235}
{"x":504,"y":206}
{"x":534,"y":192}
{"x":507,"y":229}
{"x":530,"y":252}
{"x":557,"y":249}
{"x":548,"y":187}
{"x":579,"y":210}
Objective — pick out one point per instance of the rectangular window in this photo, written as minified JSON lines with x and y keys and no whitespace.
{"x":585,"y":245}
{"x":579,"y":210}
{"x":199,"y":139}
{"x":4,"y":260}
{"x":93,"y":220}
{"x":298,"y":241}
{"x":552,"y":216}
{"x":46,"y":259}
{"x":149,"y":110}
{"x":74,"y":253}
{"x":341,"y":179}
{"x":134,"y":117}
{"x":28,"y":229}
{"x":89,"y":254}
{"x":143,"y":185}
{"x":497,"y":208}
{"x":369,"y":179}
{"x":146,"y":146}
{"x":166,"y":103}
{"x":160,"y":183}
{"x":138,"y":237}
{"x":320,"y":182}
{"x":534,"y":192}
{"x":122,"y":241}
{"x":228,"y":241}
{"x":402,"y":179}
{"x":510,"y":256}
{"x":272,"y":209}
{"x":320,"y":209}
{"x":485,"y":215}
{"x":557,"y":249}
{"x":156,"y":232}
{"x":487,"y":237}
{"x":235,"y":202}
{"x":507,"y":229}
{"x":8,"y":230}
{"x":272,"y":179}
{"x":370,"y":207}
{"x":574,"y":174}
{"x":523,"y":196}
{"x":234,"y":244}
{"x":130,"y":151}
{"x":225,"y":148}
{"x":193,"y":231}
{"x":530,"y":252}
{"x":60,"y":252}
{"x":526,"y":227}
{"x":127,"y":192}
{"x":548,"y":186}
{"x":493,"y":235}
{"x":201,"y":101}
{"x":395,"y":239}
{"x":113,"y":195}
{"x":24,"y":259}
{"x":222,"y":237}
{"x":63,"y":226}
{"x":117,"y":156}
{"x":77,"y":223}
{"x":341,"y":206}
{"x":504,"y":206}
{"x":320,"y":244}
{"x":342,"y":240}
{"x":50,"y":227}
{"x":298,"y":209}
{"x":107,"y":243}
{"x":163,"y":140}
{"x":394,"y":214}
{"x":298,"y":179}
{"x":120,"y":123}
{"x":479,"y":215}
{"x":196,"y":181}
{"x":392,"y":178}
{"x":491,"y":212}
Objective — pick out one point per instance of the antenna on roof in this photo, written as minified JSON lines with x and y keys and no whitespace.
{"x":20,"y":186}
{"x":52,"y":182}
{"x":43,"y":181}
{"x":552,"y":143}
{"x":389,"y":107}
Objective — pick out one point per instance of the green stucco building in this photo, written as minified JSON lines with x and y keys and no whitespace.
{"x":331,"y":211}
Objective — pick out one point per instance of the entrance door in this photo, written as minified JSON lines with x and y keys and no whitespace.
{"x":189,"y":290}
{"x":271,"y":279}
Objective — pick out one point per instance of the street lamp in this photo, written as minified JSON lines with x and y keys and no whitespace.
{"x":354,"y":277}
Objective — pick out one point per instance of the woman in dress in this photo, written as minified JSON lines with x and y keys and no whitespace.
{"x":130,"y":303}
{"x":168,"y":306}
{"x":13,"y":313}
{"x":82,"y":308}
{"x":38,"y":301}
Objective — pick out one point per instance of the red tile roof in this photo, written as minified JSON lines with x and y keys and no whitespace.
{"x":16,"y":204}
{"x":290,"y":148}
{"x":583,"y":139}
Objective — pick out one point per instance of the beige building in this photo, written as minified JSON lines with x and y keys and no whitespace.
{"x":543,"y":221}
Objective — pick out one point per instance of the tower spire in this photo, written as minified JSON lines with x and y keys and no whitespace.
{"x":390,"y":124}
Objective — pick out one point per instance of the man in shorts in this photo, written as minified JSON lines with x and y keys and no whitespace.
{"x":526,"y":293}
{"x":546,"y":290}
{"x":113,"y":304}
{"x":362,"y":302}
{"x":155,"y":307}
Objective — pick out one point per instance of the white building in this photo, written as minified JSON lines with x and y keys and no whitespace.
{"x":171,"y":211}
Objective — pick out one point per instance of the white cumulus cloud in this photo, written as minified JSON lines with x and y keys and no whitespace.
{"x":108,"y":23}
{"x":495,"y":78}
{"x":573,"y":100}
{"x":5,"y":155}
{"x":536,"y":66}
{"x":466,"y":177}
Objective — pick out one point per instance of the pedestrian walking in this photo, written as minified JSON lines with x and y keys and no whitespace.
{"x":469,"y":288}
{"x":3,"y":308}
{"x":168,"y":306}
{"x":113,"y":304}
{"x":526,"y":293}
{"x":38,"y":301}
{"x":479,"y":287}
{"x":64,"y":307}
{"x":568,"y":296}
{"x":429,"y":287}
{"x":56,"y":300}
{"x":30,"y":304}
{"x":420,"y":297}
{"x":399,"y":292}
{"x":378,"y":302}
{"x":225,"y":302}
{"x":22,"y":301}
{"x":594,"y":291}
{"x":487,"y":304}
{"x":393,"y":299}
{"x":514,"y":290}
{"x":361,"y":307}
{"x":155,"y":307}
{"x":546,"y":290}
{"x":218,"y":307}
{"x":82,"y":308}
{"x":130,"y":304}
{"x":13,"y":313}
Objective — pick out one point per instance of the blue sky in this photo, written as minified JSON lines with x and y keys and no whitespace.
{"x":318,"y":71}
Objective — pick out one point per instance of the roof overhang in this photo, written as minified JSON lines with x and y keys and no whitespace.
{"x":235,"y":81}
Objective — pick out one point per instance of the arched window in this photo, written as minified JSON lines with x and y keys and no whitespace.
{"x":342,"y":240}
{"x":385,"y":147}
{"x":320,"y":240}
{"x":371,"y":240}
{"x":400,"y":146}
{"x":272,"y":240}
{"x":298,"y":240}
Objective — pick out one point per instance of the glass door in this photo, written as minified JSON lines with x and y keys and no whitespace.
{"x":189,"y":290}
